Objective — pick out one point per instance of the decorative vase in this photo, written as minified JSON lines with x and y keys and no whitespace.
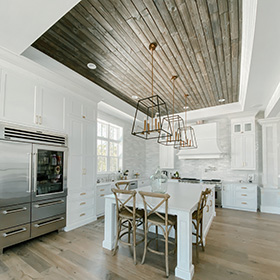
{"x":159,"y":182}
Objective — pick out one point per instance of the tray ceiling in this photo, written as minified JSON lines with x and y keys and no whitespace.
{"x":198,"y":40}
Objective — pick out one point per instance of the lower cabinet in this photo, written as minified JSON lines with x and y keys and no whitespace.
{"x":102,"y":189}
{"x":240,"y":196}
{"x":80,"y":210}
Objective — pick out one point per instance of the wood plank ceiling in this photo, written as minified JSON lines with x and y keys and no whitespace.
{"x":198,"y":40}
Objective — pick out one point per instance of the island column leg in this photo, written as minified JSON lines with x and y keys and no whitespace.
{"x":109,"y":224}
{"x":184,"y":268}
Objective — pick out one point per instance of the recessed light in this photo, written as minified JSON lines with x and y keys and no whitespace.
{"x":91,"y":66}
{"x":186,"y":107}
{"x":222,"y":100}
{"x":135,"y":97}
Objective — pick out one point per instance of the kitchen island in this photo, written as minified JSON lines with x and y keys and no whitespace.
{"x":183,"y":201}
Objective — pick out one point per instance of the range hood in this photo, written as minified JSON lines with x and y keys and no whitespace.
{"x":207,"y":141}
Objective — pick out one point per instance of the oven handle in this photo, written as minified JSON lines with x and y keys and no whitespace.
{"x":45,"y":204}
{"x":6,"y":212}
{"x":49,"y":222}
{"x":14,"y":232}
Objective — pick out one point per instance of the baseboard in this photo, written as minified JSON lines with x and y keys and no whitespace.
{"x":270,"y":209}
{"x":80,"y":224}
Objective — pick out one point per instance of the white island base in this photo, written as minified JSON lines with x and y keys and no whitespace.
{"x":183,"y":201}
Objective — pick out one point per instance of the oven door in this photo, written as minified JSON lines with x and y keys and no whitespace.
{"x":49,"y":172}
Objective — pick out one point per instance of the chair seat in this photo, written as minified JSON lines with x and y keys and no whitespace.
{"x":155,"y":219}
{"x":128,"y":215}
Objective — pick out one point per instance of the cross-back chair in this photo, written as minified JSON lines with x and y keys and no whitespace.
{"x":159,"y":219}
{"x":125,"y":213}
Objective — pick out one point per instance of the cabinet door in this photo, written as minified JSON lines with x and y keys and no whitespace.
{"x":237,"y":152}
{"x":249,"y":152}
{"x":227,"y":197}
{"x":166,"y":157}
{"x":52,"y":109}
{"x":17,"y":98}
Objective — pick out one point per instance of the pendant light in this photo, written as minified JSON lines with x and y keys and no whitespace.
{"x":176,"y":123}
{"x":187,"y":133}
{"x":153,"y":108}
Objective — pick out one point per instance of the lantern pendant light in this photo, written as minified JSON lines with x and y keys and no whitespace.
{"x":153,"y":108}
{"x":176,"y":123}
{"x":187,"y":133}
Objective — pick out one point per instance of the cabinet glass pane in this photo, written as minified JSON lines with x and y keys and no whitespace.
{"x":101,"y":164}
{"x":237,"y":127}
{"x":248,"y":127}
{"x":49,"y":172}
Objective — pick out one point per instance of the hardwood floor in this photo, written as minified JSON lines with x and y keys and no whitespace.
{"x":240,"y":246}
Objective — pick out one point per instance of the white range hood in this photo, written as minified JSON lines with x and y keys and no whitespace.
{"x":207,"y":141}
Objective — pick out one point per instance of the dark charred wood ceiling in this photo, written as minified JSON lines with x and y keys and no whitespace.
{"x":198,"y":40}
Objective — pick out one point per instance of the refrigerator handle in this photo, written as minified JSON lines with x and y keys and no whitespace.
{"x":35,"y":172}
{"x":30,"y":172}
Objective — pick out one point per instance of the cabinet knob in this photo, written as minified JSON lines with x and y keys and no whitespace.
{"x":83,"y":214}
{"x":82,"y":203}
{"x":84,"y":117}
{"x":83,"y":193}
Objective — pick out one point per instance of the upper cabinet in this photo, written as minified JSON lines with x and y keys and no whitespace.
{"x":25,"y":100}
{"x":166,"y":157}
{"x":81,"y":109}
{"x":243,"y":150}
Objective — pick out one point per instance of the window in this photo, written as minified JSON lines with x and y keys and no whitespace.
{"x":109,"y":147}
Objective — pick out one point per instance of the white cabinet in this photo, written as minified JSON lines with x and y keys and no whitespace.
{"x":81,"y":171}
{"x":243,"y":150}
{"x":166,"y":157}
{"x":25,"y":101}
{"x":102,"y":189}
{"x":81,"y":109}
{"x":241,"y":196}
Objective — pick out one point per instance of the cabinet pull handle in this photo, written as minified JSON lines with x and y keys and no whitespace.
{"x":7,"y":234}
{"x":45,"y":204}
{"x":36,"y":121}
{"x":82,"y":203}
{"x":243,"y":202}
{"x":6,"y":212}
{"x":83,"y":193}
{"x":48,"y":222}
{"x":211,"y":203}
{"x":84,"y":117}
{"x":102,"y":190}
{"x":83,"y":214}
{"x":244,"y":188}
{"x":40,"y":119}
{"x":243,"y":194}
{"x":102,"y":194}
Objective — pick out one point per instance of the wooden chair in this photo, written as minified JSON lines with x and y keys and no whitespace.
{"x":122,"y":185}
{"x":197,"y":219}
{"x":126,"y":214}
{"x":162,"y":220}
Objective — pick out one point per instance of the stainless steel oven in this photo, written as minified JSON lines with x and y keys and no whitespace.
{"x":50,"y":180}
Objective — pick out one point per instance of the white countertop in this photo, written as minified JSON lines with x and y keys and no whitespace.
{"x":183,"y":196}
{"x":113,"y":182}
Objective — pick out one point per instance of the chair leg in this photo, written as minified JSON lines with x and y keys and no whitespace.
{"x":145,"y":243}
{"x":117,"y":237}
{"x":166,"y":253}
{"x":201,"y":236}
{"x":196,"y":241}
{"x":157,"y":237}
{"x":134,"y":243}
{"x":129,"y":230}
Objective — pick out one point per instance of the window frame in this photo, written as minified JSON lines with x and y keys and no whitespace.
{"x":119,"y":142}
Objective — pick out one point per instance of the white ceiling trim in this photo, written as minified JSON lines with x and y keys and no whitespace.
{"x":249,"y":8}
{"x":273,"y":107}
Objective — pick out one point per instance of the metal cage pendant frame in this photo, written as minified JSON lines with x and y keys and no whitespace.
{"x":188,"y":138}
{"x":154,"y":108}
{"x":176,"y":123}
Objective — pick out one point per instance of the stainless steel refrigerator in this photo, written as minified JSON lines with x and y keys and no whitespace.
{"x":33,"y":183}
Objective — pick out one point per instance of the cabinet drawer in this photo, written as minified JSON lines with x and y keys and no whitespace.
{"x":245,"y":195}
{"x":47,"y":225}
{"x":80,"y":214}
{"x":48,"y":208}
{"x":14,"y":215}
{"x":14,"y":235}
{"x":246,"y":204}
{"x":245,"y":188}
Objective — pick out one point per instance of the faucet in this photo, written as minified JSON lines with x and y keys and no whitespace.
{"x":210,"y":168}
